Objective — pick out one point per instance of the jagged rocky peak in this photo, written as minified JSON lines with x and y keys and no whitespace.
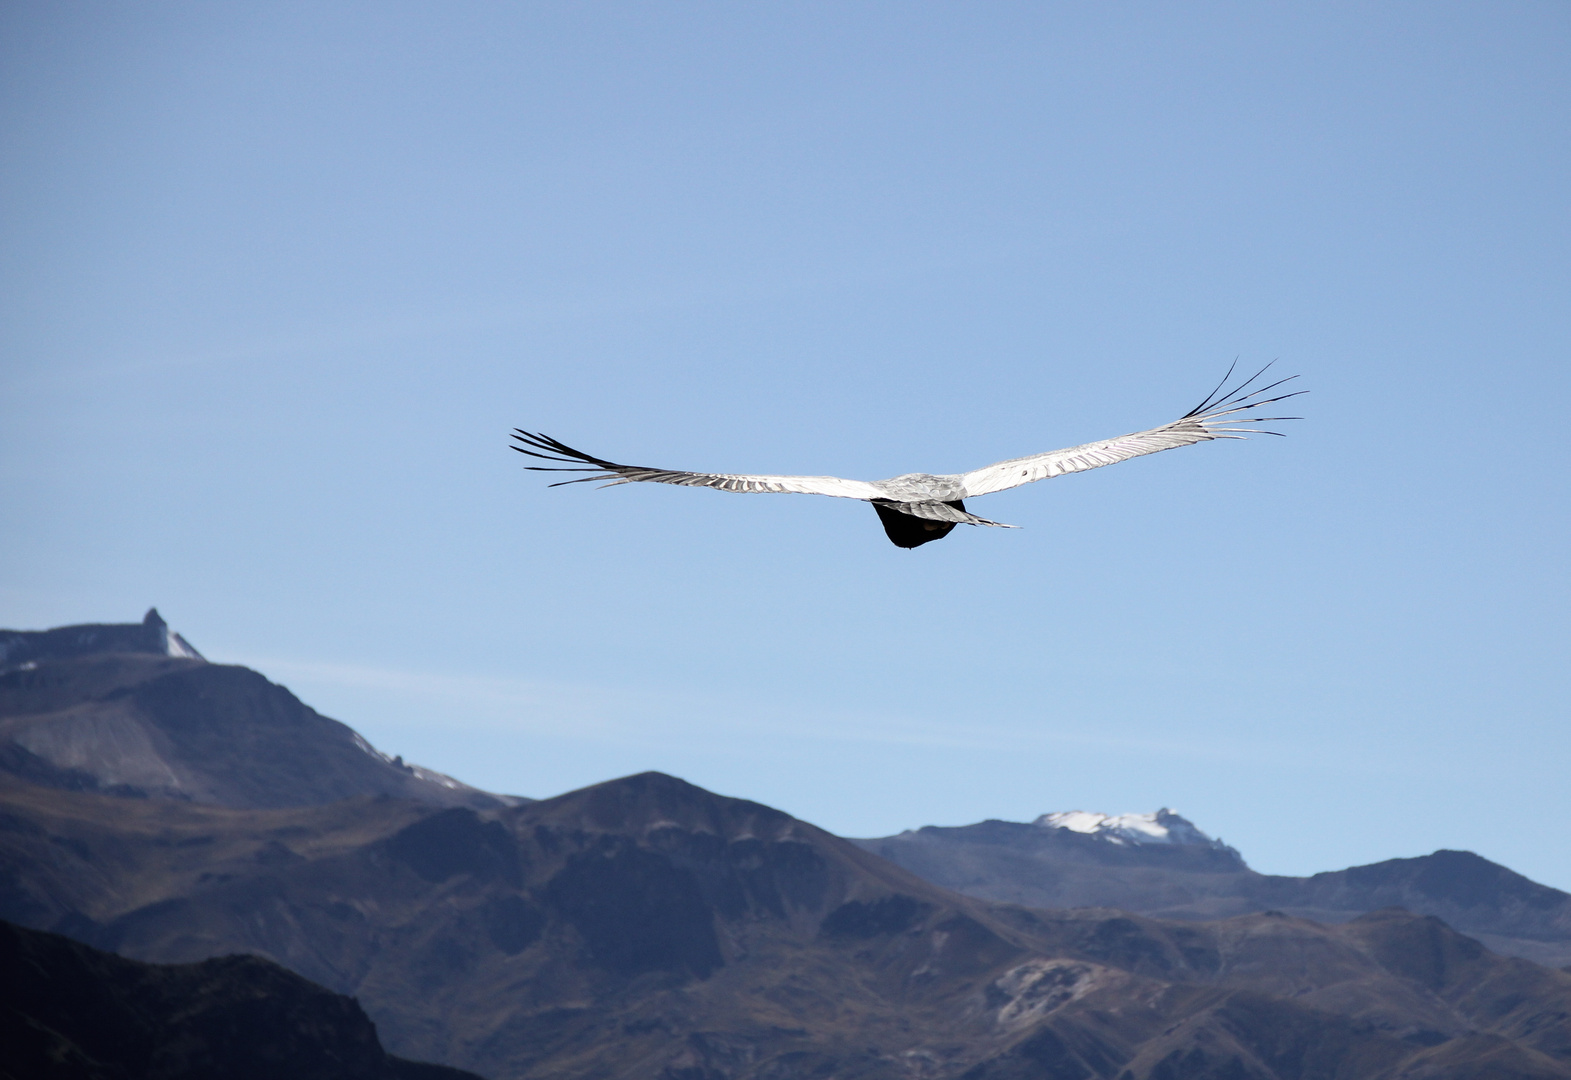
{"x":173,"y":643}
{"x":1162,"y":827}
{"x":152,"y":636}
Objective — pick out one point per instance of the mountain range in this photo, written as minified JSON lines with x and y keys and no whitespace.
{"x":647,"y":928}
{"x":1170,"y":869}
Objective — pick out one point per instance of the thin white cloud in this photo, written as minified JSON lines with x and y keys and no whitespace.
{"x":592,"y":713}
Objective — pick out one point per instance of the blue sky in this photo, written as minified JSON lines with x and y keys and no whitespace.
{"x":279,"y":278}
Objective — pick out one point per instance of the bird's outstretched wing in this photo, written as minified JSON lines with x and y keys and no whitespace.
{"x":548,"y":449}
{"x":1222,"y":415}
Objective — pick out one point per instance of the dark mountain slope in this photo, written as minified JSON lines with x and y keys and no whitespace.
{"x":70,"y":858}
{"x":70,"y":1011}
{"x":647,"y":928}
{"x":1019,"y":863}
{"x":1465,"y":889}
{"x":140,"y":723}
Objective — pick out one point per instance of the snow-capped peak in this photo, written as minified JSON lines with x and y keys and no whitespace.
{"x":1162,"y":827}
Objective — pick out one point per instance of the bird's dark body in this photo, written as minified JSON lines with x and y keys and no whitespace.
{"x":906,"y":531}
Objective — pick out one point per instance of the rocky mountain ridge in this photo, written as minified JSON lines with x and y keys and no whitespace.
{"x":134,"y":710}
{"x":150,"y":637}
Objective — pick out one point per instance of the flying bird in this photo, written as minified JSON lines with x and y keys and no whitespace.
{"x":918,"y":508}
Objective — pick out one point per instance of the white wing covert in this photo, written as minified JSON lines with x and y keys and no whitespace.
{"x":1214,"y":418}
{"x":549,"y":449}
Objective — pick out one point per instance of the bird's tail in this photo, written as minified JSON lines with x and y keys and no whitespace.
{"x":953,"y":512}
{"x":910,"y":525}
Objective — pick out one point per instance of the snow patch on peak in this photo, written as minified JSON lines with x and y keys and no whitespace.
{"x":418,"y":772}
{"x":168,"y":642}
{"x":364,"y":745}
{"x":1162,"y":827}
{"x":179,"y":646}
{"x":431,"y":776}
